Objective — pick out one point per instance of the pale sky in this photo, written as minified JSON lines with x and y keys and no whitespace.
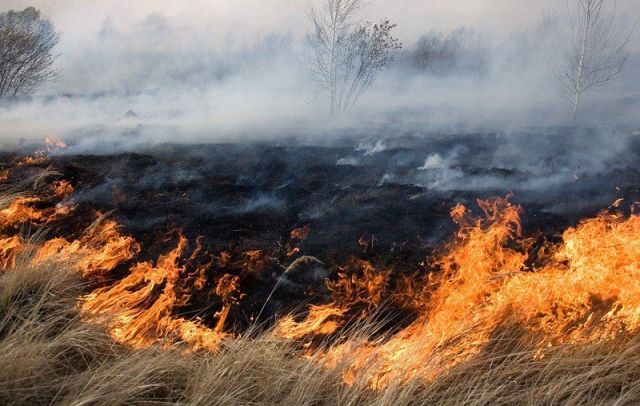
{"x":498,"y":18}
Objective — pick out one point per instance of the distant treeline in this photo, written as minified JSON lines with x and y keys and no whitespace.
{"x":462,"y":51}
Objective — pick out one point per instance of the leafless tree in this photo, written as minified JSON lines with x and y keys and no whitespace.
{"x":26,"y":59}
{"x":347,"y":56}
{"x":599,"y":48}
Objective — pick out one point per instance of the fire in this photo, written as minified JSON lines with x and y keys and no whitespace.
{"x":20,"y":210}
{"x":226,"y":288}
{"x":364,"y":285}
{"x":321,"y":320}
{"x":300,"y":233}
{"x":17,"y":212}
{"x":581,"y":290}
{"x":31,"y":160}
{"x":10,"y":247}
{"x":62,"y":188}
{"x":296,"y":236}
{"x":99,"y":250}
{"x":51,"y":145}
{"x":23,"y":209}
{"x":254,"y":261}
{"x":588,"y":289}
{"x":139,"y":309}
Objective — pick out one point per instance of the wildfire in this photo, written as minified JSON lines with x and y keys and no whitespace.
{"x":582,"y":290}
{"x":51,"y":145}
{"x":138,"y":309}
{"x":99,"y":250}
{"x":20,"y":211}
{"x":300,"y":233}
{"x":296,"y":236}
{"x":24,"y":209}
{"x":588,"y":289}
{"x":138,"y":315}
{"x":10,"y":247}
{"x":321,"y":320}
{"x":62,"y":188}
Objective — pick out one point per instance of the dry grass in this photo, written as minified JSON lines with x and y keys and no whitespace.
{"x":49,"y":355}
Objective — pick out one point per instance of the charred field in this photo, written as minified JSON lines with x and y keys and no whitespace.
{"x":319,"y":202}
{"x":415,"y":269}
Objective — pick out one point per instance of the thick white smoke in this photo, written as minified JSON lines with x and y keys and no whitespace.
{"x":202,"y":70}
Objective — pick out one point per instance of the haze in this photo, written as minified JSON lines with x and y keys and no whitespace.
{"x":234,"y":68}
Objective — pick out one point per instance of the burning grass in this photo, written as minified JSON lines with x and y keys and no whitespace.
{"x":49,"y":354}
{"x":492,"y":317}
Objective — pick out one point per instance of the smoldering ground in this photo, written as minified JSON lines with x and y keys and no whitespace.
{"x":386,"y":200}
{"x":486,"y":116}
{"x":397,"y":189}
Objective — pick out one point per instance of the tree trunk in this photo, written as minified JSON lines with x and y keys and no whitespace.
{"x":576,"y":105}
{"x":583,"y":52}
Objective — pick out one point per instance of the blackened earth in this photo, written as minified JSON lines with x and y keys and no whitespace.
{"x":383,"y":200}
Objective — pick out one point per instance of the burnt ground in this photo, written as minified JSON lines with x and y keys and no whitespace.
{"x":385,"y":200}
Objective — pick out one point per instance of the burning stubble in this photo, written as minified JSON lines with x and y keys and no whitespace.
{"x":424,"y":314}
{"x":234,"y":212}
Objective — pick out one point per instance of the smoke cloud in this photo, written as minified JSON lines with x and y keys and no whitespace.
{"x":136,"y":72}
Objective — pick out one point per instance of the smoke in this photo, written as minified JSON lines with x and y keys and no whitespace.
{"x":543,"y":166}
{"x":134,"y":74}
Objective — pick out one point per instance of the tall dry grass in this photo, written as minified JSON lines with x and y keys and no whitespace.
{"x":49,"y":355}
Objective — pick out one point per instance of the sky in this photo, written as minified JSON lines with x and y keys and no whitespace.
{"x":77,"y":19}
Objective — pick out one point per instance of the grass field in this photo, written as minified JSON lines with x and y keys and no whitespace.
{"x":48,"y":354}
{"x":51,"y":353}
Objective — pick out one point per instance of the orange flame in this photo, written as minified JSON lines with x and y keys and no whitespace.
{"x":20,"y":210}
{"x":40,"y":156}
{"x":582,"y":290}
{"x":62,"y":188}
{"x":52,"y":143}
{"x":99,"y":250}
{"x":138,"y":315}
{"x":300,"y":233}
{"x":588,"y":289}
{"x":321,"y":320}
{"x":10,"y":247}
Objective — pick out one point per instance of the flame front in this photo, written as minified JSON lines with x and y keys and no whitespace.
{"x":582,"y":290}
{"x":587,"y":289}
{"x":138,"y":315}
{"x":99,"y":250}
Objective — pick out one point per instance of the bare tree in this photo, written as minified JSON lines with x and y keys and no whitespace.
{"x":599,"y":48}
{"x":26,"y":61}
{"x":347,"y":57}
